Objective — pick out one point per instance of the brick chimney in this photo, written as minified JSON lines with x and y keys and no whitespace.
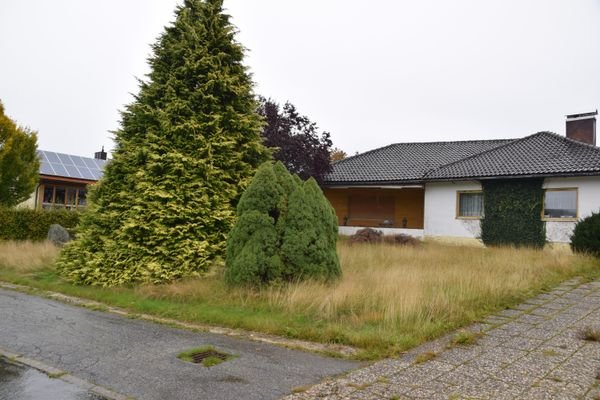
{"x":582,"y":127}
{"x":100,"y":155}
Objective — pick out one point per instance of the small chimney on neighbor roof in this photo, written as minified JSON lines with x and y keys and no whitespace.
{"x":100,"y":155}
{"x":582,"y":127}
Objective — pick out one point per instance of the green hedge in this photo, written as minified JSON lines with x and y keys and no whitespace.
{"x":28,"y":224}
{"x":513,"y":212}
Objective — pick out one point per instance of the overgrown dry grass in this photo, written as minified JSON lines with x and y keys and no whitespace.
{"x":27,"y":256}
{"x":389,"y":299}
{"x":400,"y":295}
{"x":396,"y":285}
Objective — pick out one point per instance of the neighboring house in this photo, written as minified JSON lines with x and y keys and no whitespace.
{"x":64,"y":180}
{"x":434,"y":189}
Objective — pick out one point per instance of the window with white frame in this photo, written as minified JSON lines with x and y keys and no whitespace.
{"x":469,"y":204}
{"x":560,"y":203}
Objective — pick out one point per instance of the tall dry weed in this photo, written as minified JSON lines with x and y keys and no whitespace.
{"x":399,"y":285}
{"x":396,"y":287}
{"x":26,"y":256}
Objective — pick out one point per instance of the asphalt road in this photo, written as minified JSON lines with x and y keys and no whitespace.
{"x":139,"y":359}
{"x":23,"y":383}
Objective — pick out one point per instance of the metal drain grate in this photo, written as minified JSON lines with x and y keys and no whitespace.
{"x":198,"y":358}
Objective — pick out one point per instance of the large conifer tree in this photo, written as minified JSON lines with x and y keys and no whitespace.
{"x":186,"y":149}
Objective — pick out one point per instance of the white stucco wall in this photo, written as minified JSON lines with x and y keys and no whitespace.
{"x":440,"y":210}
{"x":29,"y":203}
{"x":588,"y":201}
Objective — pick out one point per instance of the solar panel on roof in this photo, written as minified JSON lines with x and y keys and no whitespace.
{"x":59,"y":169}
{"x":78,"y":161}
{"x":96,"y":173}
{"x":73,"y":172}
{"x":90,"y":163}
{"x":66,"y":160}
{"x":87,"y":174}
{"x":52,"y":157}
{"x":45,"y":168}
{"x":68,"y":166}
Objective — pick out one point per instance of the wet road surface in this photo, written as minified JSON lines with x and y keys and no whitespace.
{"x":139,"y":358}
{"x":22,"y":383}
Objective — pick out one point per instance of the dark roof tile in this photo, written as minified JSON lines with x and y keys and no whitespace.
{"x":540,"y":154}
{"x":543,"y":154}
{"x":402,"y":162}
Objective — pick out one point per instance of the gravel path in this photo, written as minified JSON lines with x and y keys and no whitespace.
{"x":534,"y":351}
{"x":139,"y":359}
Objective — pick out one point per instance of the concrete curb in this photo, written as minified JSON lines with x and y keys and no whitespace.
{"x":56,"y":373}
{"x":336,"y":349}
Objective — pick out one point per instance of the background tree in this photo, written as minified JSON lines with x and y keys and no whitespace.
{"x":338,"y":154}
{"x":296,"y":140}
{"x":187,"y":147}
{"x":19,"y":163}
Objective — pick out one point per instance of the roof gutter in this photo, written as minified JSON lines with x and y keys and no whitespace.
{"x":374,"y":184}
{"x":374,"y":187}
{"x":524,"y":176}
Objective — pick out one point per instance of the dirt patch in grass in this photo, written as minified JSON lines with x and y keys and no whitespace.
{"x":389,"y":299}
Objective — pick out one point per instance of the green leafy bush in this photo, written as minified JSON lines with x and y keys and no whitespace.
{"x":29,"y":224}
{"x":286,"y":231}
{"x":19,"y":163}
{"x":512,"y":212}
{"x":586,"y":235}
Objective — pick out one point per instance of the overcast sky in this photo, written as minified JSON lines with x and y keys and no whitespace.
{"x":370,"y":72}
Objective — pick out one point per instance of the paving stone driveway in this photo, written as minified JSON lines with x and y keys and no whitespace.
{"x":531,"y":352}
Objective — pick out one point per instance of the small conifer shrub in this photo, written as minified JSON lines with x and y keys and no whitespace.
{"x":586,"y":235}
{"x":286,"y":231}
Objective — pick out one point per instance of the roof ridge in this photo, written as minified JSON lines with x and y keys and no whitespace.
{"x":572,"y":140}
{"x":481,"y":153}
{"x":509,"y":140}
{"x":456,"y":141}
{"x":70,"y":155}
{"x":361,"y":154}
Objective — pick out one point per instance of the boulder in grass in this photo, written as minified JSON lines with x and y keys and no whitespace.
{"x":58,"y":235}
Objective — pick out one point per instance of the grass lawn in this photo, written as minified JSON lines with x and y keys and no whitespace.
{"x":389,"y":299}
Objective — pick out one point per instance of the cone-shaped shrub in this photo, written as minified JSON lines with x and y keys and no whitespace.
{"x":310,"y":235}
{"x":586,"y":235}
{"x":252,"y":251}
{"x":286,"y":230}
{"x":187,"y":147}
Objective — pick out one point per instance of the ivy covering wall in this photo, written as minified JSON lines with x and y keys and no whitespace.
{"x":513,"y":212}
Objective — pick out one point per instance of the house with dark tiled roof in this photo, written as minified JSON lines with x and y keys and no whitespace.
{"x":434,"y":189}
